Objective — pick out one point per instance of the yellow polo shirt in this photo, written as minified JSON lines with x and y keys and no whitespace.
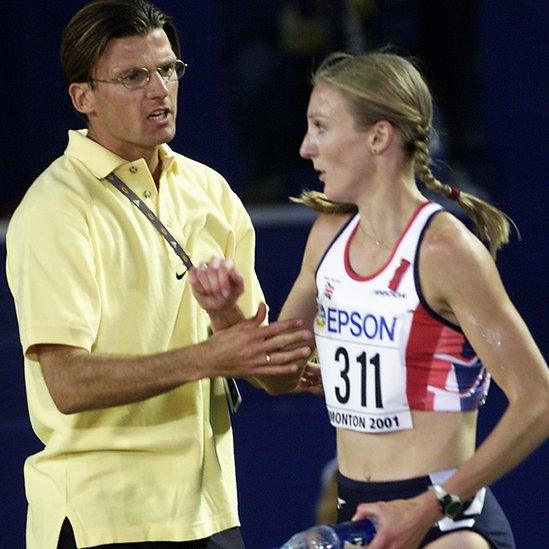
{"x":86,"y":268}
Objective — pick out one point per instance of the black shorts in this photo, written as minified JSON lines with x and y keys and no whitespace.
{"x":490,"y":521}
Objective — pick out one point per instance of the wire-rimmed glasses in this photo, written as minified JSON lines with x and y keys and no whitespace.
{"x":139,"y":77}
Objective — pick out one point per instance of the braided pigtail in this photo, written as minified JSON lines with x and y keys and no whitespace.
{"x":319,"y":203}
{"x":492,"y":225}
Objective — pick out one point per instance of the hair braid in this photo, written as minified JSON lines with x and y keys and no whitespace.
{"x":319,"y":203}
{"x":491,"y":225}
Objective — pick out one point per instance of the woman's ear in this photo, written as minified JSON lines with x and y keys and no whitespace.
{"x":381,"y":138}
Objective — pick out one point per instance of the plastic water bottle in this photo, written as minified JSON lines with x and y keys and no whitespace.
{"x":333,"y":536}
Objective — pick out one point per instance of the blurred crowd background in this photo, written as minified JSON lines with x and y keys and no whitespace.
{"x":257,"y":56}
{"x":269,"y":50}
{"x":242,"y":111}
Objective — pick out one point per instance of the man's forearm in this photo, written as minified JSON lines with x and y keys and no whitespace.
{"x":79,"y":381}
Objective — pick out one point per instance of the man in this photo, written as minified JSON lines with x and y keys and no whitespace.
{"x":125,"y":389}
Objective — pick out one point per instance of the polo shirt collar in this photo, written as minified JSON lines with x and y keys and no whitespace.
{"x":168,"y":158}
{"x":101,"y":162}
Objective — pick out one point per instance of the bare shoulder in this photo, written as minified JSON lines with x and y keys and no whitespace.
{"x":331,"y":222}
{"x":449,"y":246}
{"x":454,"y":265}
{"x":324,"y":230}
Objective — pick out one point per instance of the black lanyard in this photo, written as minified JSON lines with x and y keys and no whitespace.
{"x":150,"y":215}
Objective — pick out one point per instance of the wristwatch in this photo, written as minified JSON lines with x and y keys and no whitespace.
{"x":450,"y":504}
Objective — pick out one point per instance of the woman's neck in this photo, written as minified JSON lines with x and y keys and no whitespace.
{"x":385,"y":212}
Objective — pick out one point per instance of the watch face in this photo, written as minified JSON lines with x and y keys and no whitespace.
{"x":450,"y":504}
{"x":453,"y":508}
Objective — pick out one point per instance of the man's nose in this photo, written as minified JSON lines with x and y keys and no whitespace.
{"x":157,"y":86}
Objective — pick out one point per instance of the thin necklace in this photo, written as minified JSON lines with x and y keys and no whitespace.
{"x":373,"y":238}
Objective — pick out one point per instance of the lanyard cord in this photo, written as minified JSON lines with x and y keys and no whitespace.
{"x":150,"y":215}
{"x":233,"y":394}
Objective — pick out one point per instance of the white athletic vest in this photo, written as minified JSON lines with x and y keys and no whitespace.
{"x":382,"y":350}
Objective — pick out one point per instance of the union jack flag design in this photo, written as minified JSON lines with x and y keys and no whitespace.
{"x":329,"y":290}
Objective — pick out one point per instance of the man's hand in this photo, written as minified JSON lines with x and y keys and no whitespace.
{"x":248,"y":349}
{"x":216,"y":284}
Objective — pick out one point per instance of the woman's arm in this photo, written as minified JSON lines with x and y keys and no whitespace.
{"x":460,"y":281}
{"x":301,"y":301}
{"x":466,"y":284}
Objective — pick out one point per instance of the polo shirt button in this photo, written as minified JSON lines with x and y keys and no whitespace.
{"x":147,"y":194}
{"x":133,"y":169}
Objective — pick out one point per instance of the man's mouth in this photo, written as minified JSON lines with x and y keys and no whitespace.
{"x":159,"y":114}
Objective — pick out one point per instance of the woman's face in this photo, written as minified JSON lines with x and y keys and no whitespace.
{"x":338,"y":150}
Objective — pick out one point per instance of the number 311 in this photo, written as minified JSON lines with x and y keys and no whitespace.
{"x":342,"y":355}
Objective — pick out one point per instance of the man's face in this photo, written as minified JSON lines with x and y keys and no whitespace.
{"x":133,"y":123}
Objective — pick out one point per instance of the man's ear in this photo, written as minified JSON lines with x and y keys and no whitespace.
{"x":82,"y":98}
{"x":382,"y":136}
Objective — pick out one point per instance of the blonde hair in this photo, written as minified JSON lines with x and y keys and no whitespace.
{"x":385,"y":86}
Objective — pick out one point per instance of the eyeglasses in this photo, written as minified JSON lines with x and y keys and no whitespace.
{"x":138,"y":78}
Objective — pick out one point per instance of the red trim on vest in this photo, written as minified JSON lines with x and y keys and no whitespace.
{"x":421,"y":366}
{"x":399,"y":273}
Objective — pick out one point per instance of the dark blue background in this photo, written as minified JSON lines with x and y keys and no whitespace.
{"x":281,"y":443}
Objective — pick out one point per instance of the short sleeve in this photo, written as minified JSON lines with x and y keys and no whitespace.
{"x":50,"y":271}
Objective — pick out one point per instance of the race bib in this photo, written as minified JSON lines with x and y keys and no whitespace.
{"x":361,"y":355}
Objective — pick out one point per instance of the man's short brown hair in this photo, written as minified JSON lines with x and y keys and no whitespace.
{"x":88,"y":32}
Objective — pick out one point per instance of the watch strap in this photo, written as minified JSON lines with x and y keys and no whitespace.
{"x":452,"y":506}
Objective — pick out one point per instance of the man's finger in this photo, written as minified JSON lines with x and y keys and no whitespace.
{"x":260,"y":315}
{"x":290,"y":369}
{"x":281,"y":326}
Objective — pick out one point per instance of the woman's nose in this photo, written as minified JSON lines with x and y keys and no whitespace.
{"x":306,"y":150}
